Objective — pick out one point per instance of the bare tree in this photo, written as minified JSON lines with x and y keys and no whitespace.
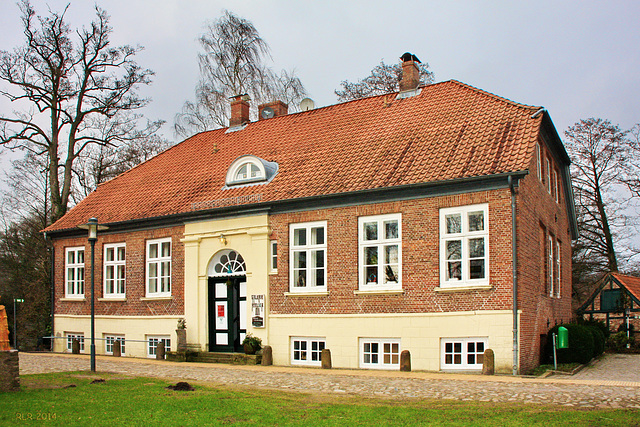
{"x":233,"y":63}
{"x":68,"y":82}
{"x":384,"y":78}
{"x":598,"y":153}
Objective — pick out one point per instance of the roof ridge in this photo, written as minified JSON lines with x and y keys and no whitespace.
{"x":493,"y":95}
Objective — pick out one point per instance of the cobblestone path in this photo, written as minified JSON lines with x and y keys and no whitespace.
{"x":573,"y":392}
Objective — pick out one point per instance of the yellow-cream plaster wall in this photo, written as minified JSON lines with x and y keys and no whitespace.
{"x":419,"y":333}
{"x":247,"y":235}
{"x":134,"y":328}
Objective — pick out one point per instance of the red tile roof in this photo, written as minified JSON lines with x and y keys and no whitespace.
{"x":450,"y":130}
{"x":632,"y":283}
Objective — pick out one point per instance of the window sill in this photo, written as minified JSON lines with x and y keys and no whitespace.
{"x":463,"y":288}
{"x":79,"y":299}
{"x":306,"y":294}
{"x":273,"y":272}
{"x":167,"y":298}
{"x":379,"y":292}
{"x":113,"y":299}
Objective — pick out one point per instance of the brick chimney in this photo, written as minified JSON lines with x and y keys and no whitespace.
{"x":239,"y":110}
{"x":410,"y":72}
{"x":278,"y":108}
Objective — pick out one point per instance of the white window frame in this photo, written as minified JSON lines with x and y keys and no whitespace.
{"x":159,"y":260}
{"x":70,"y":336}
{"x":464,"y":353}
{"x":538,"y":161}
{"x":238,"y":164}
{"x":305,"y":349}
{"x":378,"y":359}
{"x":308,"y":249}
{"x":110,"y":339}
{"x":117,"y":265}
{"x":273,"y":256}
{"x":464,"y":236}
{"x":558,"y":269}
{"x":152,"y":344}
{"x":78,"y":282}
{"x":551,"y":263}
{"x":556,"y":187}
{"x":548,"y":172}
{"x":380,"y":244}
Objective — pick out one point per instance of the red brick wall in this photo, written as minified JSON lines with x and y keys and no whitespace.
{"x":420,"y":259}
{"x":538,"y":213}
{"x":135,"y":275}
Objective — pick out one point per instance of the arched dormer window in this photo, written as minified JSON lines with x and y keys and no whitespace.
{"x":250,"y":170}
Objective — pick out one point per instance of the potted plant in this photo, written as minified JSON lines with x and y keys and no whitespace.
{"x":251,"y":344}
{"x":181,"y":332}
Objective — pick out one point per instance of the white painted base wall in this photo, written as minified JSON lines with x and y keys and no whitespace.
{"x":418,"y":333}
{"x":133,"y":328}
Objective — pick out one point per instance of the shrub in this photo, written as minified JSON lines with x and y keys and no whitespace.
{"x":598,"y":324}
{"x":618,"y":342}
{"x":581,"y":344}
{"x":599,"y":340}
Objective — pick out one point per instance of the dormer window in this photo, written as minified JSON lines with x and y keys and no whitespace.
{"x":250,"y":170}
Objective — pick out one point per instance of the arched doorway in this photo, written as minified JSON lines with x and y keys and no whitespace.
{"x":227,"y":301}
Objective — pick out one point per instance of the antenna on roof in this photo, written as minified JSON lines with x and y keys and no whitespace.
{"x":307,"y":104}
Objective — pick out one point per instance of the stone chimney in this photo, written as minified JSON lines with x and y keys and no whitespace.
{"x":239,"y":110}
{"x":272,"y":109}
{"x":410,"y":72}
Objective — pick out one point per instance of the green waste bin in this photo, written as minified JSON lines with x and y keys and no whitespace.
{"x":563,"y":337}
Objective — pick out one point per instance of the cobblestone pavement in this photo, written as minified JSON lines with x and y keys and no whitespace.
{"x":572,"y":392}
{"x":613,"y":367}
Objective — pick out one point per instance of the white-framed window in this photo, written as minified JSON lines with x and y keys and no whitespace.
{"x":74,"y":335}
{"x":550,"y":263}
{"x":462,"y":353}
{"x":548,"y":173}
{"x":274,"y":256}
{"x":538,"y":162}
{"x":380,"y":252}
{"x":159,"y":267}
{"x":558,"y":270}
{"x":109,"y":340}
{"x":380,"y":353}
{"x":306,"y":350}
{"x":464,"y":246}
{"x":74,"y":272}
{"x":152,"y":344}
{"x":249,"y":169}
{"x":114,"y":270}
{"x":308,"y":257}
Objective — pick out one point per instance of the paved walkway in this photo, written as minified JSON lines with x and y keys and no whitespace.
{"x":555,"y":390}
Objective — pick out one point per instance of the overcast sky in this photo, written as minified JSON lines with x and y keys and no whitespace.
{"x":576,"y":58}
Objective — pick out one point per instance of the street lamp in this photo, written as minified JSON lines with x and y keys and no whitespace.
{"x":93,"y":228}
{"x":15,"y":322}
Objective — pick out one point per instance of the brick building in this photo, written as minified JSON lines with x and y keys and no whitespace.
{"x":404,"y":221}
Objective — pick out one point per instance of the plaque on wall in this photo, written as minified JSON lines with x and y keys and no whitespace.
{"x":257,"y":311}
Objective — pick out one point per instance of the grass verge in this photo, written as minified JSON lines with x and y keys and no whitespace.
{"x":130,"y":401}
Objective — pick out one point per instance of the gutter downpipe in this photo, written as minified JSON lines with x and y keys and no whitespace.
{"x":514,"y":275}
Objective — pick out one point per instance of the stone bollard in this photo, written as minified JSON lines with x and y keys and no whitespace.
{"x":117,"y":352}
{"x":9,"y":371}
{"x":182,"y":340}
{"x":488,"y":362}
{"x":325,"y":358}
{"x":405,"y":361}
{"x":160,"y":351}
{"x":267,"y":355}
{"x":75,"y":346}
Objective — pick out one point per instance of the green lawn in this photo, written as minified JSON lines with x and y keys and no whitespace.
{"x":144,"y":401}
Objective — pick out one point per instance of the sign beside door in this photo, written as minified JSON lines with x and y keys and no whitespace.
{"x":257,"y":311}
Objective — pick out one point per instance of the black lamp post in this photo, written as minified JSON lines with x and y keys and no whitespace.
{"x":93,"y":228}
